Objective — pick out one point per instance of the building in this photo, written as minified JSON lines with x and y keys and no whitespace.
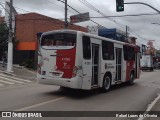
{"x":112,"y":33}
{"x":26,"y":28}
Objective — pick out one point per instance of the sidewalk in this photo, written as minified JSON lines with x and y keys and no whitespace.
{"x":19,"y":71}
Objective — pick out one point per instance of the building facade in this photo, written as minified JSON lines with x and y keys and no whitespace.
{"x":26,"y":28}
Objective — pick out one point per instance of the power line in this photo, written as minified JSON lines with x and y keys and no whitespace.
{"x":98,"y":11}
{"x":95,"y":9}
{"x":79,"y":12}
{"x":4,"y":8}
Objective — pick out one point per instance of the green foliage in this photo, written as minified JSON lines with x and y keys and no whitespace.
{"x":3,"y":36}
{"x":4,"y":32}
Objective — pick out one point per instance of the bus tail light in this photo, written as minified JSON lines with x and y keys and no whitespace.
{"x":74,"y":71}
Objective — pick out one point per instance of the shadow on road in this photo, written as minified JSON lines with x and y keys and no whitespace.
{"x":82,"y":94}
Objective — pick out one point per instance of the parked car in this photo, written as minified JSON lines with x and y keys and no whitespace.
{"x":157,"y":65}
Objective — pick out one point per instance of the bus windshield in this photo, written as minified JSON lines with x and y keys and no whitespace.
{"x":58,"y":40}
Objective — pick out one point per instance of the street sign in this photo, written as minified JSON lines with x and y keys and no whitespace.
{"x":79,"y":17}
{"x":93,"y":29}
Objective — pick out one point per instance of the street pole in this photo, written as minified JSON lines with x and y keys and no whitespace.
{"x":126,"y":33}
{"x":10,"y":43}
{"x":66,"y":23}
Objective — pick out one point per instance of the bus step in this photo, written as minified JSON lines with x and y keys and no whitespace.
{"x":94,"y":87}
{"x":118,"y":82}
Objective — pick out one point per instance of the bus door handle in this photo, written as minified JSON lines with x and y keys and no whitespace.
{"x":53,"y":55}
{"x":86,"y":75}
{"x":58,"y":55}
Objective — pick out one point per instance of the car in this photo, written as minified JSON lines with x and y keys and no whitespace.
{"x":157,"y":65}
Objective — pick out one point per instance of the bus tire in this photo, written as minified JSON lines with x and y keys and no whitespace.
{"x":132,"y":77}
{"x":106,"y":83}
{"x":63,"y":88}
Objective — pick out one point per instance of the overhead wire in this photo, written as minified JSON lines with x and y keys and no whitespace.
{"x":95,"y":9}
{"x":86,"y":3}
{"x":4,"y":8}
{"x":79,"y":13}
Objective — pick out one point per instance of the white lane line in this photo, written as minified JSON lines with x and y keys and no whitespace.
{"x":150,"y":106}
{"x":15,"y":78}
{"x":40,"y":104}
{"x":7,"y":82}
{"x":10,"y":80}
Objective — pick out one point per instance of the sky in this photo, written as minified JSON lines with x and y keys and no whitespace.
{"x":139,"y":26}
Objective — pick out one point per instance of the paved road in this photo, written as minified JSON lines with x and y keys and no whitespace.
{"x":35,"y":97}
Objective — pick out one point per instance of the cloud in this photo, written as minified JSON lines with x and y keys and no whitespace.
{"x":141,"y":25}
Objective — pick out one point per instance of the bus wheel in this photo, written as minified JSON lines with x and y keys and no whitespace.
{"x":63,"y":88}
{"x":131,"y":81}
{"x":106,"y":84}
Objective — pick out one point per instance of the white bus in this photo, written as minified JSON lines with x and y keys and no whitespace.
{"x":81,"y":60}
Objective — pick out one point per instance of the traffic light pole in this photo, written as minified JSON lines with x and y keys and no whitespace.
{"x":144,"y":4}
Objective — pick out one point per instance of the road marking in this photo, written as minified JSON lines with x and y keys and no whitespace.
{"x":7,"y":82}
{"x":40,"y":104}
{"x":16,"y":78}
{"x":150,"y":106}
{"x":11,"y":80}
{"x":1,"y":85}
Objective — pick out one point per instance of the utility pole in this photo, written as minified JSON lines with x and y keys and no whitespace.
{"x":126,"y":33}
{"x":10,"y":43}
{"x":66,"y":22}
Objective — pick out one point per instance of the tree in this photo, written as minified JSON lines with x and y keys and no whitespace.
{"x":4,"y":31}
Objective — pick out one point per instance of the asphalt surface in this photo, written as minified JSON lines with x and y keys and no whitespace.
{"x":35,"y":97}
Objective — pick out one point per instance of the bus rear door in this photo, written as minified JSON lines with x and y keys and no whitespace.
{"x":87,"y":63}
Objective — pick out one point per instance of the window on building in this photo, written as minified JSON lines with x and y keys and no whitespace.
{"x":107,"y":50}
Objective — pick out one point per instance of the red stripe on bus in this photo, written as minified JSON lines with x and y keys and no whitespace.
{"x":65,"y":61}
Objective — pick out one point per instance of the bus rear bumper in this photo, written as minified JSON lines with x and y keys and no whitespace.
{"x":75,"y":82}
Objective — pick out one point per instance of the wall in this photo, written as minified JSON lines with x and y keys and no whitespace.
{"x":28,"y":25}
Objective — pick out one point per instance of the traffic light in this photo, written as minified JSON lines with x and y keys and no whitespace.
{"x":120,"y":5}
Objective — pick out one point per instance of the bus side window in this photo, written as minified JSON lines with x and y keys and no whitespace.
{"x":86,"y":47}
{"x":125,"y":51}
{"x":107,"y":50}
{"x":129,"y":53}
